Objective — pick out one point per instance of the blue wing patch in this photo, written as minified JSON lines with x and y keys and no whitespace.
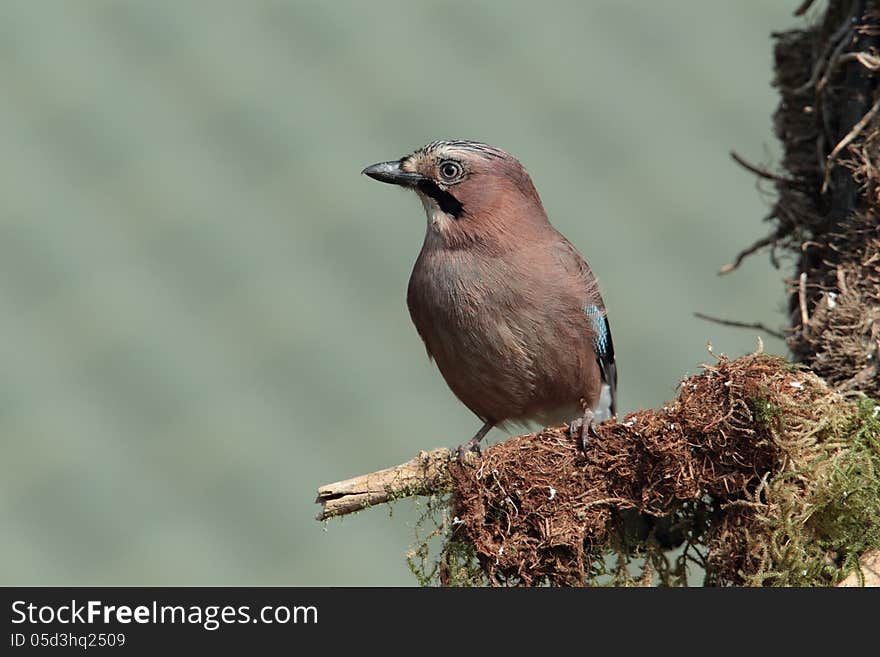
{"x":604,"y":348}
{"x":600,"y":328}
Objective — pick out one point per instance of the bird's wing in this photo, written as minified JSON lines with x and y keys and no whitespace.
{"x":594,"y":307}
{"x":603,"y":345}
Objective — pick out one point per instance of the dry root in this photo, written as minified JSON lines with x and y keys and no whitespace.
{"x":827,"y":214}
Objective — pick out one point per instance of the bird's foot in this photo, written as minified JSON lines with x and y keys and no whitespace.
{"x":581,"y":428}
{"x":468,"y":452}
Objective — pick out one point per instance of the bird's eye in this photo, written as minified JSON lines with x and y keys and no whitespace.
{"x":450,"y":170}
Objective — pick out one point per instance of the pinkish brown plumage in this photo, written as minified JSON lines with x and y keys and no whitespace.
{"x":507,"y":307}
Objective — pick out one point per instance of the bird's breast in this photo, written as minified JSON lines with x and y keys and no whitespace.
{"x":511,"y":341}
{"x":449,"y":299}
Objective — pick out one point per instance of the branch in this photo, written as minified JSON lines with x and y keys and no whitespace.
{"x":805,"y":5}
{"x":742,"y":255}
{"x":759,"y":171}
{"x":729,"y":322}
{"x":425,"y":474}
{"x":528,"y":507}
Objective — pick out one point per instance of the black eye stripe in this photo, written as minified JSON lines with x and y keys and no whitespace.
{"x":447,"y":202}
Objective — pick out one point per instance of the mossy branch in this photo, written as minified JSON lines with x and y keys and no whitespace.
{"x":763,"y":473}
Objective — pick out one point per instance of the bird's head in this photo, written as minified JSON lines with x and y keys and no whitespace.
{"x":472,"y":192}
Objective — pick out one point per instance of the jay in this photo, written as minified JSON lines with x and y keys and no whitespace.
{"x":506,"y":306}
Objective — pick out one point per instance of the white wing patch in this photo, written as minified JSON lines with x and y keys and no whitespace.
{"x":602,"y":410}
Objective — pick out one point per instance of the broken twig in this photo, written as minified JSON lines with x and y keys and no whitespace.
{"x":754,"y":325}
{"x":425,"y":474}
{"x":742,"y":255}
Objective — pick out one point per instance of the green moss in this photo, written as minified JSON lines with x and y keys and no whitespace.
{"x":822,"y":517}
{"x":767,"y":414}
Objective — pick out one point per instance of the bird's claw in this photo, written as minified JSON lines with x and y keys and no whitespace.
{"x":468,"y":453}
{"x":581,"y":429}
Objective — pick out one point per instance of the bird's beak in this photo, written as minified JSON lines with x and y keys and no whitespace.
{"x":390,"y":172}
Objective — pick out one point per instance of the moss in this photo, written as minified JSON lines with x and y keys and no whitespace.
{"x":766,"y":413}
{"x":823,"y":516}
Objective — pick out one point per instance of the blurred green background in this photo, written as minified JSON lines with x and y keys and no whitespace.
{"x":203,"y":301}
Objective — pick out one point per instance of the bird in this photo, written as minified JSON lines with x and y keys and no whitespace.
{"x":508,"y":309}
